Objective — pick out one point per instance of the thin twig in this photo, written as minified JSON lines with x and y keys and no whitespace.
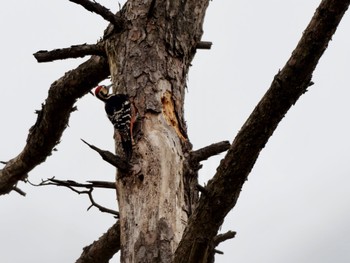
{"x":100,"y":207}
{"x":21,"y":192}
{"x":75,"y":51}
{"x":218,"y":252}
{"x":70,"y":184}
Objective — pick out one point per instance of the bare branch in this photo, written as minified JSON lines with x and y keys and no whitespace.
{"x":208,"y":151}
{"x":16,"y":189}
{"x":53,"y":119}
{"x":103,"y":184}
{"x":102,"y":250}
{"x":218,"y":252}
{"x":102,"y":11}
{"x":110,"y":157}
{"x":75,"y":51}
{"x":204,"y":45}
{"x":100,"y":207}
{"x":71,"y":184}
{"x":288,"y":85}
{"x":223,"y":237}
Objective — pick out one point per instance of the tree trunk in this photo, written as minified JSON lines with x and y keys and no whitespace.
{"x":149,"y":61}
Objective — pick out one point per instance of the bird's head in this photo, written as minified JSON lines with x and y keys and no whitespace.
{"x":102,"y":91}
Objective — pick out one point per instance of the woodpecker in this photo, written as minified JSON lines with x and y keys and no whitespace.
{"x":119,"y":112}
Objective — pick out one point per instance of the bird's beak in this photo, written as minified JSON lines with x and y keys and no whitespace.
{"x":91,"y":93}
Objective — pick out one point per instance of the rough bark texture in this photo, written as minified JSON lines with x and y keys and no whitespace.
{"x":102,"y":250}
{"x":149,"y":61}
{"x":288,"y":85}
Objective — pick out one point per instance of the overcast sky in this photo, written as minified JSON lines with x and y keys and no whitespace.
{"x":295,"y":207}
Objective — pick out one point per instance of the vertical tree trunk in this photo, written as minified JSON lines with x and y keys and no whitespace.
{"x":149,"y":61}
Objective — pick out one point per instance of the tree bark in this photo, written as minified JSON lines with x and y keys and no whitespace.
{"x":149,"y":61}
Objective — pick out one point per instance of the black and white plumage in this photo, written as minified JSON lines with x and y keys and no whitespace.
{"x":119,"y":112}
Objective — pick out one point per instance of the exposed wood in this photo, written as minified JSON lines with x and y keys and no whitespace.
{"x":288,"y":85}
{"x":149,"y":62}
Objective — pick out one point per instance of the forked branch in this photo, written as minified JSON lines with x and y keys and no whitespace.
{"x":72,"y":185}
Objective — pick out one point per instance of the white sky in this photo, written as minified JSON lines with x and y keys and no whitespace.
{"x":295,"y":207}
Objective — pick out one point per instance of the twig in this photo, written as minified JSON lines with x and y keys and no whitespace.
{"x":104,"y":248}
{"x":102,"y":11}
{"x":75,"y":51}
{"x":16,"y":189}
{"x":110,"y":157}
{"x":208,"y":151}
{"x":71,"y":184}
{"x":100,"y":207}
{"x":204,"y":45}
{"x":218,"y":252}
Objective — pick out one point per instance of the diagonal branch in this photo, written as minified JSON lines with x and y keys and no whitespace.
{"x":288,"y":85}
{"x":102,"y":250}
{"x":75,"y":51}
{"x":102,"y":11}
{"x":53,"y":119}
{"x":110,"y":158}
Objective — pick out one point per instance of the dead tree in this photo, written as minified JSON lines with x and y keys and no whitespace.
{"x":147,"y":50}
